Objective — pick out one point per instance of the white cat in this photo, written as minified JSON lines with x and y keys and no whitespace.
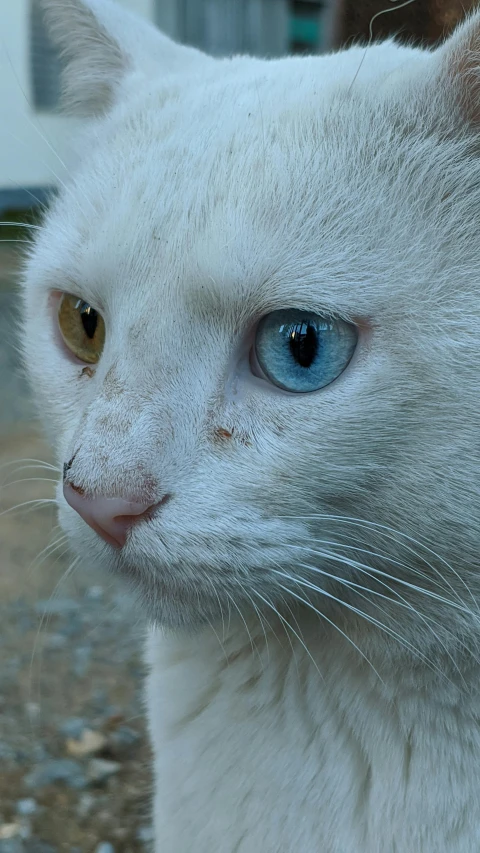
{"x":252,"y":325}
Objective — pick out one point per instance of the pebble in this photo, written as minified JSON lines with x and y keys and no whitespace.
{"x":85,"y":805}
{"x":12,"y":845}
{"x":88,"y":744}
{"x":94,"y":593}
{"x":33,"y":711}
{"x":26,"y":807}
{"x":12,"y":831}
{"x":73,"y":727}
{"x":9,"y":830}
{"x":99,"y":770}
{"x":57,"y":607}
{"x":105,"y":847}
{"x":7,"y":753}
{"x":81,"y":660}
{"x":57,"y":770}
{"x":54,"y":642}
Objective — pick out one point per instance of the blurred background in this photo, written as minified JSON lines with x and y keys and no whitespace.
{"x":74,"y":760}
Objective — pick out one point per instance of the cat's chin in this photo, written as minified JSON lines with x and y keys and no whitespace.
{"x":171,"y":606}
{"x":176,"y":613}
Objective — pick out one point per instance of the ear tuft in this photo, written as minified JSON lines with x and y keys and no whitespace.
{"x":93,"y":61}
{"x":100,"y":42}
{"x":461,"y":66}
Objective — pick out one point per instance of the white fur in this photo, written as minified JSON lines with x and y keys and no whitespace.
{"x":340,"y":529}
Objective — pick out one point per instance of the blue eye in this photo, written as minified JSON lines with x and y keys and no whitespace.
{"x":301,"y":351}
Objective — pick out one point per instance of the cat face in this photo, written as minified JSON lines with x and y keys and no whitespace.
{"x":277,"y":261}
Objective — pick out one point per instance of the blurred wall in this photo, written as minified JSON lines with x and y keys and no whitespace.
{"x":35,"y":138}
{"x":29,"y":137}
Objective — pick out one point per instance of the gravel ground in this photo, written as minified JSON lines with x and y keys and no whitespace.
{"x":73,"y":753}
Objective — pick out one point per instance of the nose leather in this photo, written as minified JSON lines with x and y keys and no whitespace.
{"x":111,"y":518}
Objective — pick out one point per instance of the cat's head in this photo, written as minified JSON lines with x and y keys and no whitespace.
{"x":271,"y":331}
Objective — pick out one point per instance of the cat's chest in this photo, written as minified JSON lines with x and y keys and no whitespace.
{"x":265,"y":757}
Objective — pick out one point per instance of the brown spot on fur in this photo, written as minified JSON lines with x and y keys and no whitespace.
{"x":221,"y":432}
{"x":87,"y":371}
{"x":245,"y":440}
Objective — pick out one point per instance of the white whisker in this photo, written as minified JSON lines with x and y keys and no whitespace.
{"x":286,"y":625}
{"x":259,"y":615}
{"x":32,"y":463}
{"x":45,"y":618}
{"x":46,"y":552}
{"x":21,"y":225}
{"x":32,"y":503}
{"x":254,"y":648}
{"x":330,"y":621}
{"x":385,"y":628}
{"x":362,"y":523}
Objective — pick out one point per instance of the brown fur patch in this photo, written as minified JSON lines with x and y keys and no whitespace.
{"x":221,"y":432}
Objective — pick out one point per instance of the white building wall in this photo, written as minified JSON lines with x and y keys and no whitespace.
{"x":31,"y":144}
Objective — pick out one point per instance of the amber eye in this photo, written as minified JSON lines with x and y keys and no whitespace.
{"x":82,"y":328}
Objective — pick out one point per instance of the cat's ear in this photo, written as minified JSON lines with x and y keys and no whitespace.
{"x":461,"y":67}
{"x":101,"y":43}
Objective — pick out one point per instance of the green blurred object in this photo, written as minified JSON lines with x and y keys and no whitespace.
{"x":305,"y":31}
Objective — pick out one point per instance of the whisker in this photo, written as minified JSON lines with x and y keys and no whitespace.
{"x":358,"y":522}
{"x":36,"y":463}
{"x":254,"y":648}
{"x":38,"y":202}
{"x":259,"y":615}
{"x":402,"y":602}
{"x":46,"y":552}
{"x":21,"y":225}
{"x":220,"y":643}
{"x":405,"y":643}
{"x":373,"y":572}
{"x":286,"y":625}
{"x":212,"y":584}
{"x":68,"y":190}
{"x":28,"y":480}
{"x":45,"y":619}
{"x":337,"y":628}
{"x":384,"y":557}
{"x":38,"y":502}
{"x":327,"y":594}
{"x":26,"y":242}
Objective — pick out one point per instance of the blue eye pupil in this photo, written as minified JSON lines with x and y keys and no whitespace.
{"x":301,"y":351}
{"x":303,"y":342}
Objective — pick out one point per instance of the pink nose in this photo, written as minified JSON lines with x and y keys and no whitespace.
{"x":111,"y":518}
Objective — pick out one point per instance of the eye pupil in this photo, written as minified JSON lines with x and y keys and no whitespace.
{"x":89,"y":320}
{"x":303,"y":341}
{"x":302,"y":351}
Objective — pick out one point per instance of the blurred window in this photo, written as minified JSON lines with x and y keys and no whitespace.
{"x":307,"y":31}
{"x":226,"y":27}
{"x":44,"y":63}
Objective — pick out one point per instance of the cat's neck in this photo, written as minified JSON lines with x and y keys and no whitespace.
{"x":328,"y":656}
{"x":297,"y":727}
